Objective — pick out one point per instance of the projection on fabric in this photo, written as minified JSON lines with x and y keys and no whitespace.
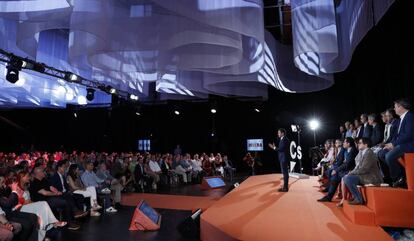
{"x":190,"y":49}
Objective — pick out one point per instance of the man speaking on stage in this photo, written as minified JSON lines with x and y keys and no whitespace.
{"x":283,"y":155}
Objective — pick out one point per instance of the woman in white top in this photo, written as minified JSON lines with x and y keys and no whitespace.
{"x":46,"y":218}
{"x":76,"y":186}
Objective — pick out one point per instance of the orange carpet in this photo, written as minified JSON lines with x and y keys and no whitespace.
{"x":256,"y":211}
{"x":170,"y":201}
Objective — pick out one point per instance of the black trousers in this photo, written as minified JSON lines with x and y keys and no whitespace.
{"x":285,"y":170}
{"x":64,"y":205}
{"x":29,"y":225}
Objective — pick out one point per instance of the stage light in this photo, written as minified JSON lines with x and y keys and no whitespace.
{"x":137,"y":113}
{"x":90,"y":94}
{"x":75,"y":115}
{"x":214,"y":111}
{"x":32,"y":65}
{"x":314,"y":124}
{"x":176,"y":112}
{"x":12,"y":74}
{"x":82,"y":100}
{"x":133,"y":97}
{"x":71,"y":77}
{"x":257,"y":110}
{"x":212,"y":134}
{"x":112,"y":91}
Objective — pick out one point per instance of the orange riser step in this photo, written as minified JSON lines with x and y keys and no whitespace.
{"x":393,"y":207}
{"x":359,"y":214}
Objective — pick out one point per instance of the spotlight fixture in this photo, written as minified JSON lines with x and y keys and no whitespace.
{"x":213,"y":110}
{"x":13,"y":68}
{"x":112,"y":91}
{"x":32,"y":65}
{"x":133,"y":97}
{"x":257,"y":110}
{"x":108,"y":89}
{"x":71,"y":77}
{"x":90,"y":94}
{"x":12,"y":74}
{"x":137,"y":113}
{"x":176,"y":112}
{"x":75,"y":115}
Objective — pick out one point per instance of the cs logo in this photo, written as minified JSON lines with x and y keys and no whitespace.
{"x":295,"y":151}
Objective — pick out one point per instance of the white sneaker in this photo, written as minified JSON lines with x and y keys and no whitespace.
{"x":111,"y":210}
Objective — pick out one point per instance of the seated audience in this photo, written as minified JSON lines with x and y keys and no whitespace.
{"x":8,"y":229}
{"x":376,"y":129}
{"x":46,"y":218}
{"x":89,"y":179}
{"x":76,"y":186}
{"x":402,"y":143}
{"x":40,"y":189}
{"x":366,"y":171}
{"x":114,"y":184}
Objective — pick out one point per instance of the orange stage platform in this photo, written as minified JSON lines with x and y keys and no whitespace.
{"x":256,"y":211}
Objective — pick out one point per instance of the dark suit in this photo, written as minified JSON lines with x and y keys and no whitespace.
{"x":377,"y":135}
{"x":405,"y":137}
{"x":403,"y":143}
{"x":283,"y":155}
{"x":393,"y":130}
{"x":367,"y":131}
{"x":75,"y":199}
{"x":349,"y":162}
{"x":361,"y":132}
{"x":334,"y":180}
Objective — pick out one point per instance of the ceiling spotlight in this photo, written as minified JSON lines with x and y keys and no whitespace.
{"x":13,"y":68}
{"x":71,"y":77}
{"x":176,"y":112}
{"x":137,"y":113}
{"x":108,"y":89}
{"x":133,"y":97}
{"x":90,"y":94}
{"x":214,"y":111}
{"x":12,"y":74}
{"x":112,"y":91}
{"x":32,"y":65}
{"x":75,"y":115}
{"x":257,"y":110}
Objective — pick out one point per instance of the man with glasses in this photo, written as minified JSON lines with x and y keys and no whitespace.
{"x":366,"y":171}
{"x":402,"y":143}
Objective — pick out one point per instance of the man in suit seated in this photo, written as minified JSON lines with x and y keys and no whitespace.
{"x":58,"y":181}
{"x":366,"y":171}
{"x":402,"y":143}
{"x":366,"y":128}
{"x":377,"y":132}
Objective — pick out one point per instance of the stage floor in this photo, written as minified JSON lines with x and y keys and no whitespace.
{"x":256,"y":211}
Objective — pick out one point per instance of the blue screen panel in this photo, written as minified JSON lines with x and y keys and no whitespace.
{"x":149,"y":212}
{"x":215,"y":182}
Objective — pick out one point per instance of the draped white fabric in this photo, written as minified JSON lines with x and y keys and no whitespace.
{"x":188,"y":47}
{"x":325,"y":35}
